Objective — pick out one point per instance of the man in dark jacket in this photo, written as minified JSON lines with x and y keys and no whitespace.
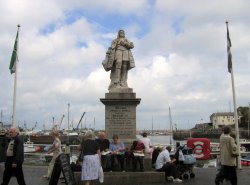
{"x":15,"y":157}
{"x":104,"y":147}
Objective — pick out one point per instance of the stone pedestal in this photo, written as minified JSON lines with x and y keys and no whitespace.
{"x":120,"y":114}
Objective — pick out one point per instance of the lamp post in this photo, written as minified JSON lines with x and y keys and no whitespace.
{"x":203,"y":126}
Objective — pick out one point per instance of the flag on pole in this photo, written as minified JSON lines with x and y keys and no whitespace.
{"x":14,"y":57}
{"x":229,"y":51}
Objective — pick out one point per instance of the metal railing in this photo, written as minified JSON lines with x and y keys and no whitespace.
{"x":39,"y":156}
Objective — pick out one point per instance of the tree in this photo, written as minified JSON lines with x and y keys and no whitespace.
{"x":244,"y":112}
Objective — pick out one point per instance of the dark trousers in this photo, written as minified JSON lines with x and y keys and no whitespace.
{"x":169,"y":169}
{"x":226,"y":172}
{"x":119,"y":159}
{"x":9,"y":171}
{"x":106,"y":163}
{"x":138,"y":159}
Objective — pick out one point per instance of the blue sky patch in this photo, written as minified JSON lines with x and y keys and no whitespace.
{"x":177,"y":24}
{"x":81,"y":45}
{"x":50,"y":28}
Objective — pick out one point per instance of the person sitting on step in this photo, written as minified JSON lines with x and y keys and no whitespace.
{"x":117,"y":149}
{"x":137,"y":150}
{"x":165,"y":164}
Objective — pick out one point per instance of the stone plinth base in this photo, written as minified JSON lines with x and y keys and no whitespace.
{"x":120,"y":114}
{"x":128,"y":178}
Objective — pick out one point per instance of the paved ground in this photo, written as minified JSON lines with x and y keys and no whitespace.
{"x":32,"y":174}
{"x":204,"y":176}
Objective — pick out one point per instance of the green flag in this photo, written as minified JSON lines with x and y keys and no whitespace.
{"x":229,"y":45}
{"x":14,"y":56}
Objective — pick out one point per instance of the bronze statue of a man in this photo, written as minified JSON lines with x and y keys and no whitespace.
{"x":119,"y":60}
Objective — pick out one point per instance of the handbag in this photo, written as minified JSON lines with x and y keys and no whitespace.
{"x":101,"y":175}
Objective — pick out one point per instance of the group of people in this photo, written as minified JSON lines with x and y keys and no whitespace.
{"x":114,"y":152}
{"x":109,"y":154}
{"x":102,"y":152}
{"x":227,"y":160}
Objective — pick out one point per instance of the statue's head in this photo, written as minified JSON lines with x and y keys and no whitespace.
{"x":121,"y":34}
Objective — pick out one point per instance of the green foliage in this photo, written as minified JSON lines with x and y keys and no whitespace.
{"x":244,"y":116}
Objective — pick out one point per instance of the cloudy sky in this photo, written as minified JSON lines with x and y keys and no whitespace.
{"x":180,"y":55}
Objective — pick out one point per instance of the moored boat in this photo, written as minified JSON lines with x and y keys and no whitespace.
{"x":47,"y":139}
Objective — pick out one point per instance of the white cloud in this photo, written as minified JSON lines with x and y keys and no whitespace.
{"x":180,"y":56}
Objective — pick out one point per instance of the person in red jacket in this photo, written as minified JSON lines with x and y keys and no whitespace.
{"x":138,"y":149}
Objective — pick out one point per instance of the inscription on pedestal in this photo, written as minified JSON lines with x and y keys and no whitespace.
{"x":120,"y":115}
{"x":121,"y":120}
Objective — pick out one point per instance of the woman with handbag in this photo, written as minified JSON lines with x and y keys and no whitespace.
{"x":91,"y":159}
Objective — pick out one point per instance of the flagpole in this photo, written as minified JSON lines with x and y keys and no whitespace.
{"x":236,"y":120}
{"x":235,"y":112}
{"x":15,"y":84}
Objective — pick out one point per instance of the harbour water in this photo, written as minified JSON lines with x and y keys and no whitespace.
{"x":162,"y":140}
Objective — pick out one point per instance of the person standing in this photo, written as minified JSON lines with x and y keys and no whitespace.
{"x":228,"y":158}
{"x":56,"y":150}
{"x":91,"y":159}
{"x":147,"y":143}
{"x":15,"y":158}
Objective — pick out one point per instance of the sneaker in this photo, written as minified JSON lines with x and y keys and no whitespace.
{"x":46,"y":177}
{"x":177,"y":180}
{"x":170,"y":178}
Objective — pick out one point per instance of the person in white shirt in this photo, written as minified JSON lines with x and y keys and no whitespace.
{"x":147,"y":143}
{"x":165,"y":164}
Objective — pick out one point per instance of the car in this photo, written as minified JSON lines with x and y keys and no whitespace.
{"x":245,"y":161}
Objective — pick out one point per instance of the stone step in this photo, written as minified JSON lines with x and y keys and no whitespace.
{"x":147,"y":165}
{"x":128,"y":178}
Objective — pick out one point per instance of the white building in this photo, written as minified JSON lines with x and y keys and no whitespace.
{"x":222,"y":119}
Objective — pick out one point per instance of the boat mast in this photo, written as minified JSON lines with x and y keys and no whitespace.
{"x":152,"y":125}
{"x":248,"y":120}
{"x":1,"y":115}
{"x":68,"y":115}
{"x":170,"y":122}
